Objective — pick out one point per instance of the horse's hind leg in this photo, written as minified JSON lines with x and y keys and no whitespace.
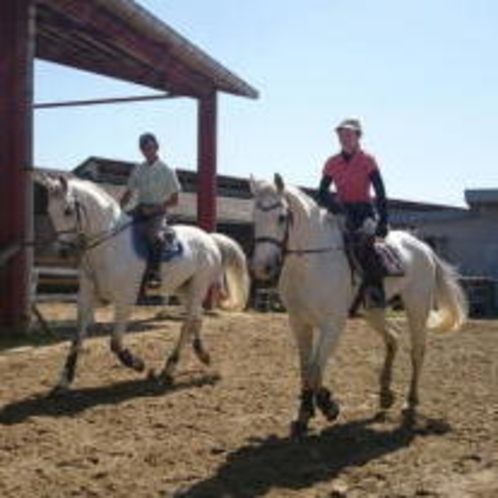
{"x":195,"y":311}
{"x":166,"y":375}
{"x":377,"y":320}
{"x":417,"y":313}
{"x":198,"y":345}
{"x":125,"y":356}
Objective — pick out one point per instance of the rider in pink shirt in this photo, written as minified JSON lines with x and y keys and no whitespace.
{"x":354,"y":173}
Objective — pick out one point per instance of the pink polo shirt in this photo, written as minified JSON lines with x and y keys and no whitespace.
{"x":351,"y":178}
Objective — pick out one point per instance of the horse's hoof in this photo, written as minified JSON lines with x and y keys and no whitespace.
{"x":327,"y":405}
{"x":380,"y":416}
{"x":138,"y":365}
{"x":298,"y":430}
{"x":165,"y":379}
{"x":161,"y":379}
{"x":332,"y":412}
{"x":409,"y":415}
{"x":58,"y":391}
{"x":204,"y":357}
{"x":152,"y":375}
{"x":386,"y":399}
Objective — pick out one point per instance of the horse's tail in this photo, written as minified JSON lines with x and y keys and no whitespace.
{"x":235,"y":285}
{"x":451,"y":306}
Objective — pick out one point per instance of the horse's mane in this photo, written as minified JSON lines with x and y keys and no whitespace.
{"x":304,"y":199}
{"x":293,"y":194}
{"x":92,"y":188}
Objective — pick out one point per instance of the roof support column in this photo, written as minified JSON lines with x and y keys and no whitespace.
{"x":207,"y":135}
{"x":16,"y":130}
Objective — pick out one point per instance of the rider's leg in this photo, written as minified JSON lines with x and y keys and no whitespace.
{"x":155,"y":238}
{"x":375,"y":296}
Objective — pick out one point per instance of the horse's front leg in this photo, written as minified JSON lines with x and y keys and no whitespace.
{"x":126,"y":357}
{"x":328,"y":336}
{"x":303,"y":335}
{"x":86,"y":302}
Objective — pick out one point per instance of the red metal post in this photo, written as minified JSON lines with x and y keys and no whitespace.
{"x":16,"y":131}
{"x":206,"y":195}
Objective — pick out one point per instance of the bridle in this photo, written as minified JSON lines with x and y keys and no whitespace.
{"x":282,"y":244}
{"x":82,"y":242}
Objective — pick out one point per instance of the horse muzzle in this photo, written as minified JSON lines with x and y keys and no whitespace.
{"x":267,"y":270}
{"x":70,"y":248}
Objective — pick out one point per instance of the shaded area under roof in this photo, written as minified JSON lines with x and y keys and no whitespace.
{"x":481,"y":196}
{"x":121,"y":39}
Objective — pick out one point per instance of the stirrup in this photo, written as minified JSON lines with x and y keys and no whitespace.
{"x":374,"y":298}
{"x":153,"y":280}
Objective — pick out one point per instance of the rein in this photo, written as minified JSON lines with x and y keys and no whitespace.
{"x":84,"y":244}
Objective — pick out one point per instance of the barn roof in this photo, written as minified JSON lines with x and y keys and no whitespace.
{"x":121,"y":39}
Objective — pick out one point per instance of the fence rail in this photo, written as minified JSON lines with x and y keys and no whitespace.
{"x":9,"y":252}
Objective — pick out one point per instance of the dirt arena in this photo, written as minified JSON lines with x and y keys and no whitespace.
{"x":222,"y":432}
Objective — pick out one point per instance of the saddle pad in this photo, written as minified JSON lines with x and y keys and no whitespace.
{"x":390,"y":259}
{"x":171,"y":250}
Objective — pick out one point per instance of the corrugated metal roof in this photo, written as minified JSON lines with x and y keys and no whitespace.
{"x":481,"y":196}
{"x":121,"y":39}
{"x":399,"y":217}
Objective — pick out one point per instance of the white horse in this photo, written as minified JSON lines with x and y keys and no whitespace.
{"x":90,"y":221}
{"x":305,"y":243}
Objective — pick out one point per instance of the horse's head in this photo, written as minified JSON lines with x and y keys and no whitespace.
{"x":272,"y":218}
{"x":64,"y":211}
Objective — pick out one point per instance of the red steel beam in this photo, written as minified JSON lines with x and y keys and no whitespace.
{"x":112,"y":100}
{"x":206,"y":195}
{"x":16,"y":130}
{"x":115,"y":31}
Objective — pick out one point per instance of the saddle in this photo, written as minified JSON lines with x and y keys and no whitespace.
{"x":379,"y":261}
{"x":389,"y":259}
{"x":171,"y":247}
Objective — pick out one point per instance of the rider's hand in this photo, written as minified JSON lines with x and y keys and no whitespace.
{"x":150,"y":210}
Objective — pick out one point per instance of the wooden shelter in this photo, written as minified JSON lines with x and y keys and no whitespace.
{"x":116,"y":38}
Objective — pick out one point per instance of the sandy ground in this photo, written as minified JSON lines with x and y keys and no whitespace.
{"x":223,"y":431}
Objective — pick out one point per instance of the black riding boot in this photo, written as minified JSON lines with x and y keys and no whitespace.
{"x":154,"y":265}
{"x":373,"y":275}
{"x":375,"y":296}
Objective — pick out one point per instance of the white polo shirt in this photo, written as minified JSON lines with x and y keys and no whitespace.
{"x":154,"y":183}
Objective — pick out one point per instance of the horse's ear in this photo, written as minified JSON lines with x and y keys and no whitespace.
{"x":63,"y":183}
{"x":56,"y":185}
{"x":279,"y":183}
{"x":40,"y":177}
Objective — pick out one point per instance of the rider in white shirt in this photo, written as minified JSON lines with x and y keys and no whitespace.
{"x":157,"y":188}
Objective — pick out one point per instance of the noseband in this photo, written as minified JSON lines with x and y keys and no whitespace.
{"x":281,"y":244}
{"x":80,"y":244}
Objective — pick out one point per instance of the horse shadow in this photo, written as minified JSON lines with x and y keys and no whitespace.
{"x":253,"y":470}
{"x":78,"y":400}
{"x":65,"y":330}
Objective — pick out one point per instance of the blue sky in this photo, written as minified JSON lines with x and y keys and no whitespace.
{"x":421,"y":75}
